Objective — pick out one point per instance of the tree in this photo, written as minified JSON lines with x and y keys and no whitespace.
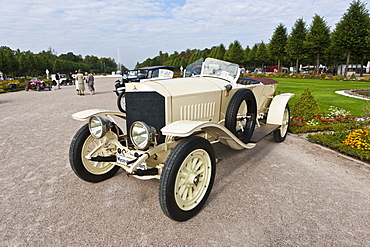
{"x":92,"y":62}
{"x":71,"y":57}
{"x":262,"y":55}
{"x":277,"y":44}
{"x":352,"y":32}
{"x":252,"y":58}
{"x":247,"y":52}
{"x":60,"y":65}
{"x":235,"y":53}
{"x":306,"y":106}
{"x":218,"y":52}
{"x":295,"y":42}
{"x":8,"y":61}
{"x":318,"y":38}
{"x":198,"y":54}
{"x":27,"y":63}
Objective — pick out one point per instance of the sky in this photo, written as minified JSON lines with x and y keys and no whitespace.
{"x":131,"y":31}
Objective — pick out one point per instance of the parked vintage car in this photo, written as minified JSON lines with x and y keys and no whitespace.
{"x":37,"y":84}
{"x":137,"y":75}
{"x":63,"y":80}
{"x":169,"y":127}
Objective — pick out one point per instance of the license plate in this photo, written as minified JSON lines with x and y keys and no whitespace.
{"x":122,"y":160}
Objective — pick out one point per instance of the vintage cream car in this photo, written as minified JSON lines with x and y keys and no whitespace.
{"x":169,"y":127}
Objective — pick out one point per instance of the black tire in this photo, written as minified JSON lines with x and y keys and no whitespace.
{"x":241,"y":120}
{"x":189,"y":171}
{"x":281,"y":133}
{"x":121,"y":102}
{"x":87,"y":170}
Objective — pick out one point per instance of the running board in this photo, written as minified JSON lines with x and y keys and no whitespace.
{"x":263,"y":131}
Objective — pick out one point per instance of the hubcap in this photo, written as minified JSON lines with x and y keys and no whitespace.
{"x":285,"y":124}
{"x":94,"y":167}
{"x":193,"y":179}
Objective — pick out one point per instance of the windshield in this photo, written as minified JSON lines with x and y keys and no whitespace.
{"x":215,"y":67}
{"x":194,"y":68}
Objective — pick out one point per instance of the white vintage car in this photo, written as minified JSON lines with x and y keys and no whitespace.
{"x":169,"y":127}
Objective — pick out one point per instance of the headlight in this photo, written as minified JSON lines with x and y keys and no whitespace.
{"x":99,"y":126}
{"x":142,"y":135}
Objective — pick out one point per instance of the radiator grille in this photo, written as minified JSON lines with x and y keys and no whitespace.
{"x":145,"y":106}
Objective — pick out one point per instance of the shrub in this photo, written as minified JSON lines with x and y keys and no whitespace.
{"x":306,"y":106}
{"x":336,"y":141}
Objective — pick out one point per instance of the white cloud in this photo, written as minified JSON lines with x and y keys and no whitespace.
{"x":142,"y":28}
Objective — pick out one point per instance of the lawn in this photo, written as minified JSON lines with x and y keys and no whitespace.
{"x":324,"y":93}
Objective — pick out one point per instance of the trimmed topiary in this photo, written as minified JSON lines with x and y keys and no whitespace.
{"x":306,"y":106}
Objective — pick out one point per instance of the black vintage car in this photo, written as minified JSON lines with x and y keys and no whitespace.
{"x":137,"y":75}
{"x":148,"y":72}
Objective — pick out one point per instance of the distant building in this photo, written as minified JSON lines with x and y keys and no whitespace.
{"x":354,"y":68}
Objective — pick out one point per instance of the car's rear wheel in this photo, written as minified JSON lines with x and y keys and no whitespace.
{"x":187,"y":178}
{"x":241,"y":114}
{"x":82,"y":144}
{"x":121,"y":102}
{"x":281,"y":133}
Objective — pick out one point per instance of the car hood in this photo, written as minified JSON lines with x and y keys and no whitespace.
{"x":180,"y":86}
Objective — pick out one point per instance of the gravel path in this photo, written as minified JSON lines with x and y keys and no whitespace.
{"x":290,"y":194}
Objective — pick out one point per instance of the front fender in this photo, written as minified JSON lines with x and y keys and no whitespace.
{"x":219,"y":132}
{"x":85,"y":115}
{"x":277,"y":107}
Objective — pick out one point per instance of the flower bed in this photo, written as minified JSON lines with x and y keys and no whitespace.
{"x":11,"y":86}
{"x":321,"y":76}
{"x":343,"y":132}
{"x":353,"y":143}
{"x":336,"y":120}
{"x":358,"y":139}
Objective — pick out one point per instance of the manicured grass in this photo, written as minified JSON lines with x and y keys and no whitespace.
{"x":324,"y":93}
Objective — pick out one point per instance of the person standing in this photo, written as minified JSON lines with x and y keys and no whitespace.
{"x":57,"y":78}
{"x":90,"y":83}
{"x":80,"y":83}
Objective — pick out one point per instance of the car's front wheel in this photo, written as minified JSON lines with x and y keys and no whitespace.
{"x":281,"y":133}
{"x":84,"y":143}
{"x":187,"y":178}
